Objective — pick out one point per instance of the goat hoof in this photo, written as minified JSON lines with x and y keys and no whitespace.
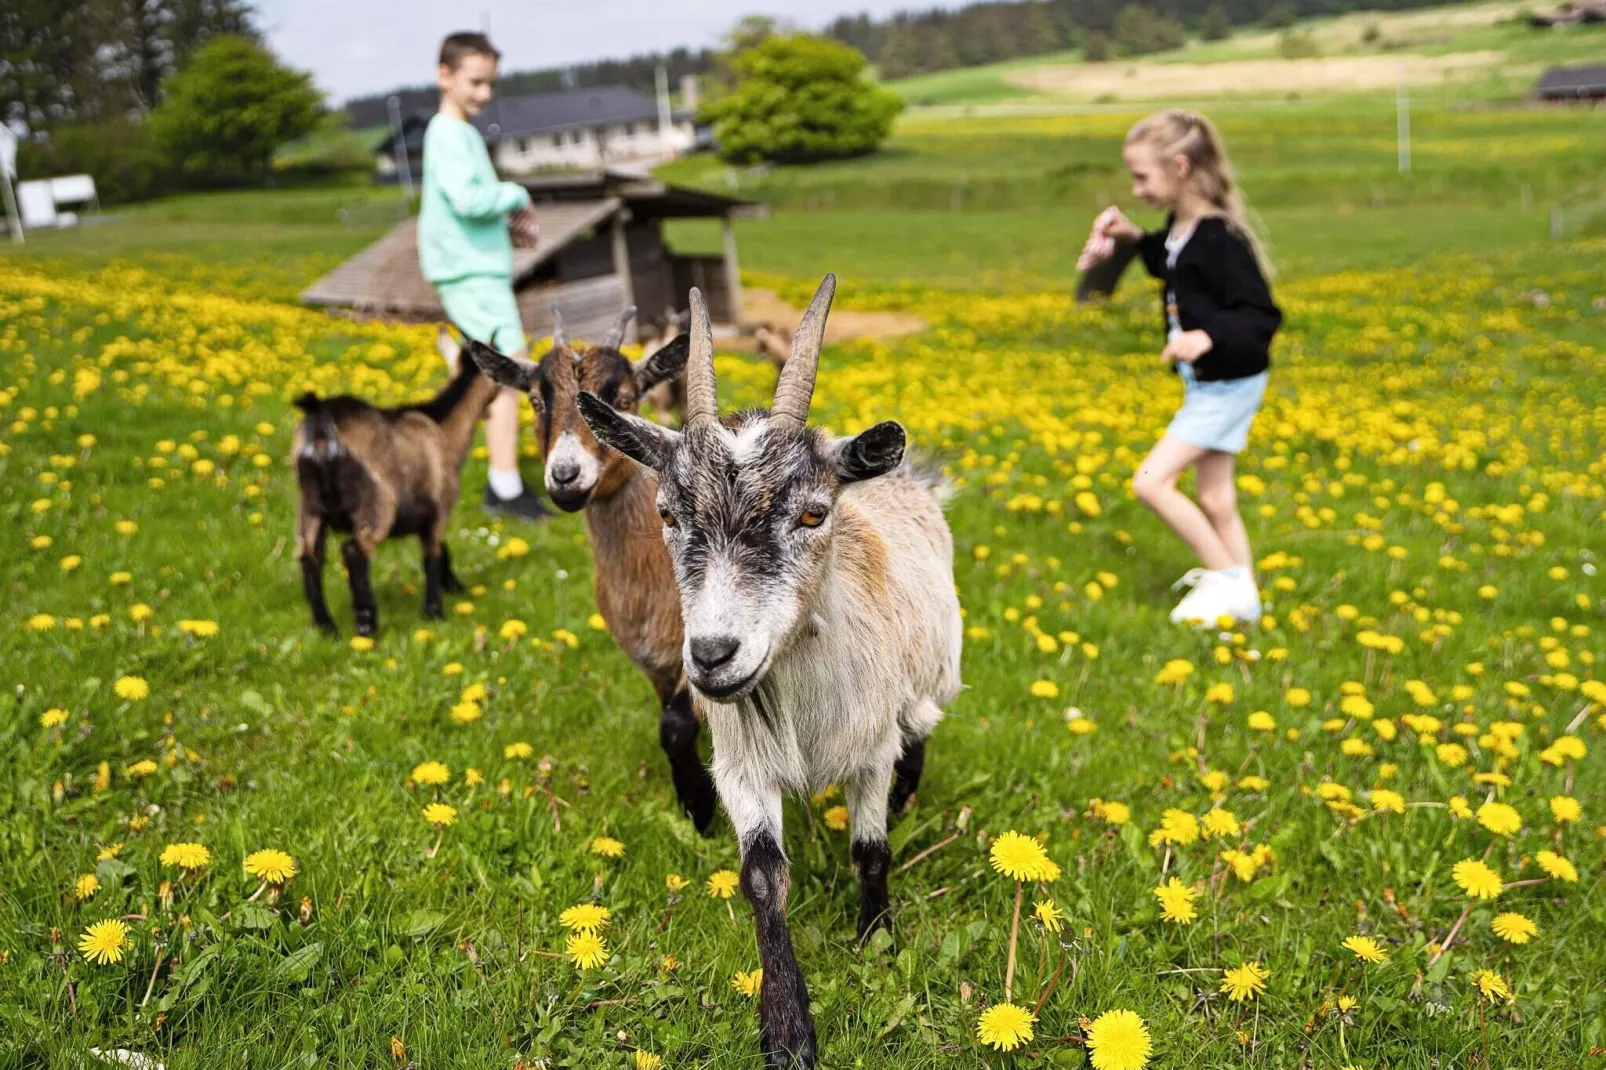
{"x":433,"y":610}
{"x":702,"y":812}
{"x":794,"y":1052}
{"x":367,"y":627}
{"x":452,"y":585}
{"x":326,"y":626}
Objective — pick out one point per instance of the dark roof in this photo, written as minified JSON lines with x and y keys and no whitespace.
{"x":647,"y":197}
{"x":1572,"y":82}
{"x":538,"y":113}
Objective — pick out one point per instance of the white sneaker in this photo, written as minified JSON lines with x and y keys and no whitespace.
{"x":1215,"y":595}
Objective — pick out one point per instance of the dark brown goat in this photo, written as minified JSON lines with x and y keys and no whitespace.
{"x":378,"y":473}
{"x":635,"y":585}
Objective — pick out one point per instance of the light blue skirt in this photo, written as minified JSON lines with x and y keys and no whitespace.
{"x":1217,"y":415}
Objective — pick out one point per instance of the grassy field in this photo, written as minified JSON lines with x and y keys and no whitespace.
{"x":1468,"y":52}
{"x":1424,"y":489}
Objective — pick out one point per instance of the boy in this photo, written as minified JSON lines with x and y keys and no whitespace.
{"x":465,"y":249}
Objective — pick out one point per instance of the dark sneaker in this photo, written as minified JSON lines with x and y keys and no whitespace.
{"x":526,"y":505}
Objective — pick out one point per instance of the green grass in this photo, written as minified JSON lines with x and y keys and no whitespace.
{"x":268,"y":735}
{"x":1427,"y":468}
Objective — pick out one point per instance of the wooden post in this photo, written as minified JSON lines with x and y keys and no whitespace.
{"x":621,"y":266}
{"x":733,"y":272}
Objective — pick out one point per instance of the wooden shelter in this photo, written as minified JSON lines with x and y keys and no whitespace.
{"x":1573,"y":84}
{"x":602,"y":248}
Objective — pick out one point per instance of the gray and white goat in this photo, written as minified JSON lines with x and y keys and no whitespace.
{"x":822,"y":631}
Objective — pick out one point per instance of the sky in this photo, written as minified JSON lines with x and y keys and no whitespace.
{"x":354,"y":47}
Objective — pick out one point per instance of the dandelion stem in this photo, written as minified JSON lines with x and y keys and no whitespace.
{"x":1450,"y":936}
{"x":435,"y":848}
{"x":252,"y":898}
{"x":1523,"y":884}
{"x":1014,"y":934}
{"x":1053,"y":981}
{"x":151,"y":985}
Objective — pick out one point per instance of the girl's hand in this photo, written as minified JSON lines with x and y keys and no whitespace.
{"x":1110,"y":227}
{"x":1187,"y":347}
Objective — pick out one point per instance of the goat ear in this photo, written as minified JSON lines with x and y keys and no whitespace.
{"x":642,"y":441}
{"x":667,"y":363}
{"x":502,"y":369}
{"x":872,"y":453}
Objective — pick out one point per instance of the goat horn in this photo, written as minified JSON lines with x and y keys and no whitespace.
{"x":560,"y":333}
{"x":702,"y":398}
{"x":796,"y":386}
{"x":616,"y":333}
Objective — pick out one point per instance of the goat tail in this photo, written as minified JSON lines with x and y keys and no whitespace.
{"x":320,"y":434}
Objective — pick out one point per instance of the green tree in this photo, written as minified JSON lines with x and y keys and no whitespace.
{"x":231,"y":107}
{"x":1139,"y":31}
{"x":799,"y":99}
{"x":1215,"y":26}
{"x":1096,"y":47}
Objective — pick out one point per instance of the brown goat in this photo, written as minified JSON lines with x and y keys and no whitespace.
{"x":635,"y":586}
{"x":378,"y":473}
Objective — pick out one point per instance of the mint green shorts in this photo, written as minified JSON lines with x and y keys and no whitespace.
{"x":482,"y":307}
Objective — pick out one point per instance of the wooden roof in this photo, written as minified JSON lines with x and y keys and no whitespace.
{"x":1573,"y":82}
{"x":385,"y":277}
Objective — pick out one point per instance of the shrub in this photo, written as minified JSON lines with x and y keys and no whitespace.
{"x":120,"y":155}
{"x":800,"y":99}
{"x":225,"y":113}
{"x":1280,"y":16}
{"x":1215,"y":26}
{"x":1096,"y":49}
{"x":1294,"y":44}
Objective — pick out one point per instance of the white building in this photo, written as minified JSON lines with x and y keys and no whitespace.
{"x":587,"y":129}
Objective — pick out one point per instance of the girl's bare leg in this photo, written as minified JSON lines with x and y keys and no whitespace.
{"x":502,"y":431}
{"x":1155,"y":484}
{"x":1218,"y":500}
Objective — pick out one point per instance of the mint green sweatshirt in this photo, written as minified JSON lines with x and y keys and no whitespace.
{"x":462,"y":222}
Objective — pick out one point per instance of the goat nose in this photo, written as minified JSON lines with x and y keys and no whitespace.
{"x":565,"y":472}
{"x":710,"y":652}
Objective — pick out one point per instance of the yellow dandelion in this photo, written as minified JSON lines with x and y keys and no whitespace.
{"x":1022,"y":858}
{"x":646,"y":1060}
{"x":1565,"y":809}
{"x":431,"y":774}
{"x":748,"y":984}
{"x":585,"y":918}
{"x":722,"y":884}
{"x":52,"y":718}
{"x":1176,"y":901}
{"x":439,"y":814}
{"x":1177,"y":827}
{"x":1499,"y":818}
{"x":1492,"y":986}
{"x":85,"y":886}
{"x":1219,"y":822}
{"x":189,"y":856}
{"x":1244,"y":982}
{"x":607,"y":847}
{"x":1045,"y":689}
{"x":104,"y":942}
{"x":1365,"y":948}
{"x":1005,"y":1027}
{"x":131,"y":688}
{"x":836,"y":818}
{"x":1477,"y":879}
{"x":1386,"y":801}
{"x":143,"y":767}
{"x":464,"y":712}
{"x":1556,"y":866}
{"x":1514,"y":928}
{"x":1118,"y":1040}
{"x":271,"y":865}
{"x":517,"y":750}
{"x":1048,"y":913}
{"x":586,"y":950}
{"x":362,"y":643}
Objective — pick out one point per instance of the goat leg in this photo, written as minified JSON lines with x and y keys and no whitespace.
{"x":449,"y":581}
{"x":677,"y":734}
{"x":871,"y":854}
{"x":312,"y":539}
{"x":362,"y":592}
{"x":906,"y":774}
{"x":432,"y":585}
{"x":786,"y":1031}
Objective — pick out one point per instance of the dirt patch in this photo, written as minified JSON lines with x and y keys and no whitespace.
{"x":1254,"y":77}
{"x":845,"y":324}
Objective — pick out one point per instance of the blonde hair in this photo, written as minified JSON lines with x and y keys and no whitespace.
{"x":1188,"y":133}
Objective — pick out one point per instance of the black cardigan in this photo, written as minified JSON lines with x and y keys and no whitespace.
{"x":1221,"y":291}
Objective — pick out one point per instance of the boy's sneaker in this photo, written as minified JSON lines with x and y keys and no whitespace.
{"x":526,"y":505}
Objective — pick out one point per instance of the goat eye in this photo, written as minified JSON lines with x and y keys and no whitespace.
{"x":811,"y":518}
{"x":667,"y":517}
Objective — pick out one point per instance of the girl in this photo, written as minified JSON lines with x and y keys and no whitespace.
{"x":1219,"y":319}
